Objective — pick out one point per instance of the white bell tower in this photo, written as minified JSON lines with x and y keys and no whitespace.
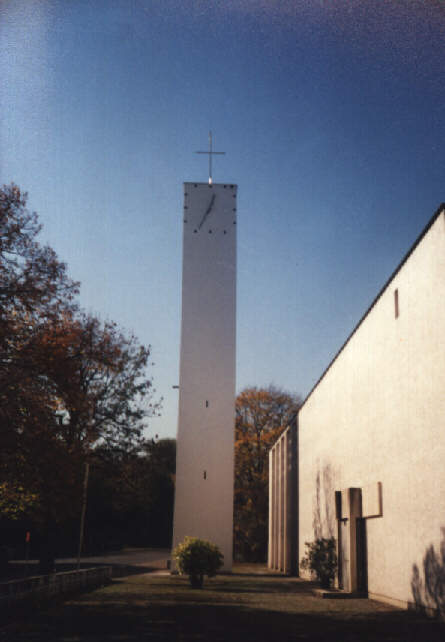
{"x":205,"y":440}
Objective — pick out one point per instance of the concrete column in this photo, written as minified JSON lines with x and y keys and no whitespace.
{"x":279,"y":506}
{"x":351,"y":510}
{"x":284,"y":565}
{"x":289,"y":499}
{"x":294,"y":500}
{"x":355,"y":511}
{"x":274,"y":510}
{"x":271,"y":506}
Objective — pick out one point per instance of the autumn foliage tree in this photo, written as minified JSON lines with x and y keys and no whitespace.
{"x":102,"y":396}
{"x":99,"y":377}
{"x":68,"y":381}
{"x":34,"y":286}
{"x":262,"y":414}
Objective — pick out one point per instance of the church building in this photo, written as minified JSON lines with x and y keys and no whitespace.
{"x":366,"y":462}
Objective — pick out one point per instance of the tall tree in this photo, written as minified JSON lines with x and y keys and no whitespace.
{"x":262,"y":414}
{"x":32,"y":279}
{"x":33,"y":287}
{"x":97,"y":375}
{"x":68,"y":382}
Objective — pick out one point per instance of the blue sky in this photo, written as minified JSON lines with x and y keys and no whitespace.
{"x":331,"y":114}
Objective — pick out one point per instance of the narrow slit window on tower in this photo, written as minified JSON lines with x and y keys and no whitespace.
{"x":205,"y":474}
{"x":207,"y":404}
{"x":396,"y":303}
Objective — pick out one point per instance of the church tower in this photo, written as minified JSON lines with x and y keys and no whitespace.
{"x":205,"y":440}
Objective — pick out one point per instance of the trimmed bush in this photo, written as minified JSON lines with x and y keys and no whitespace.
{"x":321,"y":560}
{"x":196,"y":558}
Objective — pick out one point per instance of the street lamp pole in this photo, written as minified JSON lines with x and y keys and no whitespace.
{"x":82,"y":515}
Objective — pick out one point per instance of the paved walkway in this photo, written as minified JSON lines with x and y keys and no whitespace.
{"x":151,"y":559}
{"x":144,"y":557}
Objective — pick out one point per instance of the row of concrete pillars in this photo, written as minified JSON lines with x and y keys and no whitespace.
{"x":283,"y":550}
{"x":283,"y":503}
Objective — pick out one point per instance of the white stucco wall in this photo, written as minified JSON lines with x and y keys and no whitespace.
{"x":204,"y":469}
{"x":378,"y":415}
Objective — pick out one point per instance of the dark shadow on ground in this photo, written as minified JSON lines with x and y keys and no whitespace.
{"x":141,"y":608}
{"x":221,"y":624}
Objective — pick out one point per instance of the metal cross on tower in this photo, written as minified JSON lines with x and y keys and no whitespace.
{"x":210,"y":153}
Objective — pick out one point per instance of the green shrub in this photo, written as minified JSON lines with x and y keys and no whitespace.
{"x":321,"y":560}
{"x":196,"y":558}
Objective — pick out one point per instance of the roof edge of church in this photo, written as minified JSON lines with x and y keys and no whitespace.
{"x":424,"y":232}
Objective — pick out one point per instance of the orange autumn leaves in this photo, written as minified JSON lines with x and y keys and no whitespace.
{"x":261,"y":416}
{"x":68,"y":381}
